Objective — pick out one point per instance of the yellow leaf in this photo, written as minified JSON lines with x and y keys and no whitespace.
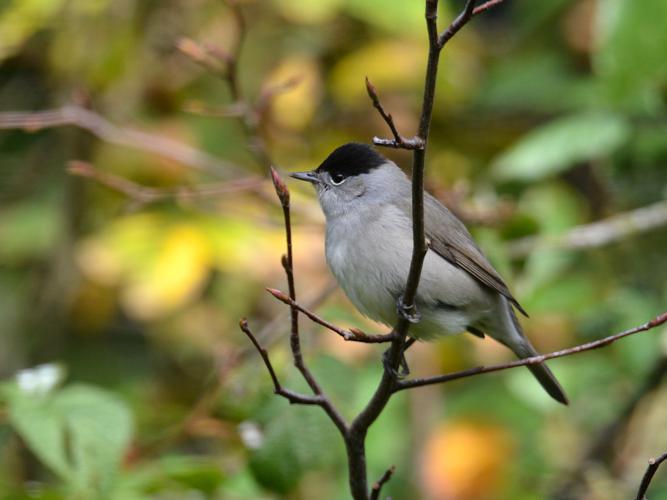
{"x":177,"y":274}
{"x":295,"y":107}
{"x":396,"y":64}
{"x":307,"y":11}
{"x":464,"y":461}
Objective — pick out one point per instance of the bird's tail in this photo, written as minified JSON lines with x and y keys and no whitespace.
{"x":541,"y":371}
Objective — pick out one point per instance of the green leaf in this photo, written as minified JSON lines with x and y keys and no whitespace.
{"x":561,"y":144}
{"x":80,"y":432}
{"x":632,"y":40}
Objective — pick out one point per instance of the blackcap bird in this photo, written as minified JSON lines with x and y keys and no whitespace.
{"x":366,"y":200}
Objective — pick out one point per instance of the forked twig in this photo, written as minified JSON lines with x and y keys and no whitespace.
{"x":399,"y":141}
{"x":291,"y":396}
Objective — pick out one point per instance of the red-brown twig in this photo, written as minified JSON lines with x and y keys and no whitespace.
{"x":652,"y":468}
{"x":377,"y":487}
{"x":589,"y":346}
{"x":354,"y":334}
{"x":78,"y":116}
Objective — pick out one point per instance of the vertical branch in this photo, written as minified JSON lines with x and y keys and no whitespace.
{"x":295,"y":341}
{"x":355,"y":440}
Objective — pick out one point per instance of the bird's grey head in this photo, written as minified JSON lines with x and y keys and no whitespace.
{"x":354,"y":176}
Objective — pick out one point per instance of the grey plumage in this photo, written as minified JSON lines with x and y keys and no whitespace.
{"x":367,"y":203}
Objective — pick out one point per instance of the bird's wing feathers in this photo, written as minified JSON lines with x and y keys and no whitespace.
{"x":457,"y":247}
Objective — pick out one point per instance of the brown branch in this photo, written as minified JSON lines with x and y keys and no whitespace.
{"x":97,"y":125}
{"x":653,"y":465}
{"x":291,"y":396}
{"x":486,"y":6}
{"x":355,"y":441}
{"x":377,"y":487}
{"x":399,"y":141}
{"x":458,"y":23}
{"x":295,"y":341}
{"x":145,"y":195}
{"x":353,"y":334}
{"x":589,"y":346}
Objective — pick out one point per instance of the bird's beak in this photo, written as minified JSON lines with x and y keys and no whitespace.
{"x":311,"y":176}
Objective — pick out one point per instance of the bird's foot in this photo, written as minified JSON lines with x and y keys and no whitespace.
{"x":403,"y":368}
{"x":407,"y":311}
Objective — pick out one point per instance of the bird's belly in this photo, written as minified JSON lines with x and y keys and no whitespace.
{"x":360,"y":275}
{"x":375,"y":276}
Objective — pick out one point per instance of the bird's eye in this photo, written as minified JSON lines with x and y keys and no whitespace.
{"x":337,"y":179}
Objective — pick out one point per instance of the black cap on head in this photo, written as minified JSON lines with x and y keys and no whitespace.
{"x":352,"y":159}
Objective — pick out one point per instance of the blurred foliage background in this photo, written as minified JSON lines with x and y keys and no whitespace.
{"x":124,"y":373}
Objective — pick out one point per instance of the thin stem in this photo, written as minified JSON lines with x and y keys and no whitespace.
{"x":377,"y":487}
{"x":295,"y":341}
{"x":144,"y":195}
{"x":354,"y":334}
{"x":596,"y":344}
{"x":399,"y":141}
{"x":408,"y":313}
{"x":99,"y":126}
{"x":291,"y":396}
{"x":653,"y":465}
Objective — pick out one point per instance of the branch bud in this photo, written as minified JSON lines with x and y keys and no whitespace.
{"x":280,"y":186}
{"x":192,"y":49}
{"x":372,"y":92}
{"x":279,"y":295}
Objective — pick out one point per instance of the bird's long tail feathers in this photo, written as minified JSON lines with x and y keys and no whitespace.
{"x":540,"y":371}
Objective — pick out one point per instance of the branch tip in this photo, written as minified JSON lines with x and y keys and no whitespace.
{"x":281,"y":188}
{"x":377,"y":487}
{"x":282,"y":297}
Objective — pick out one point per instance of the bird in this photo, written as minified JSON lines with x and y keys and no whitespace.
{"x":367,"y":203}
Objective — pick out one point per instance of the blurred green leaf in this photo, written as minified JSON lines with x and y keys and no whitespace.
{"x":22,"y":18}
{"x":561,"y":144}
{"x":28,"y":229}
{"x":633,"y":40}
{"x":80,"y":432}
{"x":295,"y":440}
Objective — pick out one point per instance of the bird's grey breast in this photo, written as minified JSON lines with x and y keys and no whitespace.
{"x":368,"y":252}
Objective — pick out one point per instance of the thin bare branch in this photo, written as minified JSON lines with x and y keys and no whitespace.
{"x":295,"y":342}
{"x":377,"y":487}
{"x":291,"y":396}
{"x":486,"y":6}
{"x":589,"y":346}
{"x":653,"y":465}
{"x":145,"y":195}
{"x":596,"y":234}
{"x":94,"y":123}
{"x":353,"y":334}
{"x":355,"y":440}
{"x":458,"y":23}
{"x":399,"y":141}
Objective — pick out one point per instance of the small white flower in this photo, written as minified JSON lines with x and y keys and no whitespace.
{"x":40,"y":379}
{"x":251,"y":434}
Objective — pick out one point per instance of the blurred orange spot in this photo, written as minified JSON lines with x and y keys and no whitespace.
{"x":463,"y":461}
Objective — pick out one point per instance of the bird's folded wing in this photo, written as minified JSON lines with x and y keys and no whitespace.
{"x":450,"y":239}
